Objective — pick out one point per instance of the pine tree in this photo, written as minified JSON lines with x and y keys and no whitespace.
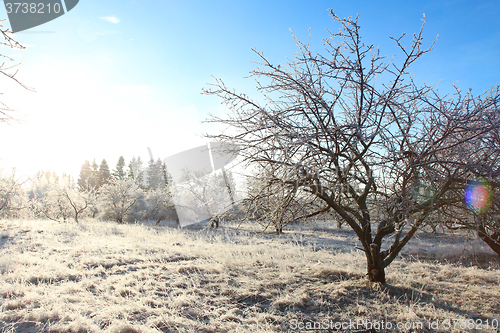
{"x":140,"y":171}
{"x":94,"y":176}
{"x":85,"y":172}
{"x":131,"y":167}
{"x":55,"y":177}
{"x":155,"y":177}
{"x":68,"y":180}
{"x":83,"y":181}
{"x":161,"y":173}
{"x":136,"y":171}
{"x":104,"y":174}
{"x":119,"y":172}
{"x":166,"y":176}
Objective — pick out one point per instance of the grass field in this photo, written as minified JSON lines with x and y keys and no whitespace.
{"x":104,"y":277}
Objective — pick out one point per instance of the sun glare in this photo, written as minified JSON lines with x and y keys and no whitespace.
{"x":478,"y":196}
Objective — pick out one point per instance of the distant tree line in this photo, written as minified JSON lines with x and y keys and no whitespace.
{"x":155,"y":176}
{"x":124,"y":194}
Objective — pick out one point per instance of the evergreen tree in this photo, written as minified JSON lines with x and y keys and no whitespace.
{"x":104,"y":174}
{"x":166,"y":176}
{"x":51,"y":177}
{"x":119,"y":172}
{"x":140,"y":172}
{"x":85,"y":172}
{"x":94,"y":176}
{"x":55,"y":177}
{"x":136,"y":171}
{"x":155,"y":179}
{"x":68,"y":180}
{"x":131,"y":166}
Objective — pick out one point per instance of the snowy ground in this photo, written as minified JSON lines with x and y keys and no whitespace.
{"x":102,"y":276}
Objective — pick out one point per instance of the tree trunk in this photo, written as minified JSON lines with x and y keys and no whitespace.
{"x":375,"y":267}
{"x":490,"y":240}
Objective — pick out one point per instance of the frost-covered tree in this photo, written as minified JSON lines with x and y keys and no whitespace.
{"x":11,"y":194}
{"x":275,"y":206}
{"x":49,"y":195}
{"x":93,"y":178}
{"x":130,"y":173}
{"x":477,"y":186}
{"x":12,"y":197}
{"x":160,"y":206}
{"x":85,"y":173}
{"x":155,"y":175}
{"x":78,"y":201}
{"x":121,"y":200}
{"x":159,"y":202}
{"x":166,"y":176}
{"x":64,"y":201}
{"x":57,"y":198}
{"x":351,"y":132}
{"x":204,"y":197}
{"x":104,"y":175}
{"x":119,"y":172}
{"x":8,"y":68}
{"x":136,"y":171}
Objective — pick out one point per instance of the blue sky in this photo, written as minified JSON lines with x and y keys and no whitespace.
{"x":115,"y":77}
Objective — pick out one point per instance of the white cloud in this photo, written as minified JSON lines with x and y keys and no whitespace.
{"x":111,"y":19}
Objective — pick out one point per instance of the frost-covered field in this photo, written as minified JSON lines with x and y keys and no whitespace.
{"x":102,"y":276}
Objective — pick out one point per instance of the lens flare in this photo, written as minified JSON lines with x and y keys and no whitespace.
{"x":478,"y":196}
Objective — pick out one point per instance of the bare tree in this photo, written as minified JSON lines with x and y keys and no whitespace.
{"x":484,"y":165}
{"x":352,"y":132}
{"x":10,"y":190}
{"x":8,"y":68}
{"x":52,"y":204}
{"x":57,"y":199}
{"x":160,"y":205}
{"x":202,"y":196}
{"x":120,"y":200}
{"x":488,"y":229}
{"x":12,"y":197}
{"x":275,"y":203}
{"x":480,"y":186}
{"x":78,"y":201}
